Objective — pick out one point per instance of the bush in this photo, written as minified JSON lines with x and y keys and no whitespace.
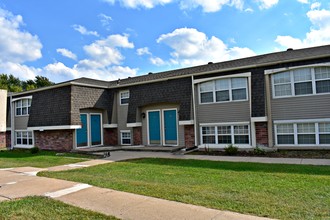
{"x":231,"y":150}
{"x":259,"y":151}
{"x":34,"y":150}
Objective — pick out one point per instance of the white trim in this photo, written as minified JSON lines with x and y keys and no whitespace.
{"x":187,"y":122}
{"x":302,"y":121}
{"x":61,"y":127}
{"x":121,"y":137}
{"x":194,"y":109}
{"x":27,"y":146}
{"x":20,"y":98}
{"x":225,"y":123}
{"x":110,"y":125}
{"x":272,"y":71}
{"x":132,"y":125}
{"x":123,"y":91}
{"x":238,"y":75}
{"x":259,"y":119}
{"x":8,"y":128}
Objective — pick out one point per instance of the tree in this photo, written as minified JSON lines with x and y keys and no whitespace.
{"x":41,"y":81}
{"x":14,"y":84}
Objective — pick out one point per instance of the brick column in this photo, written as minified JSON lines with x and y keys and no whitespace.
{"x":8,"y":139}
{"x":2,"y":139}
{"x":110,"y":136}
{"x":189,"y":136}
{"x":57,"y":140}
{"x":261,"y":133}
{"x":137,"y":136}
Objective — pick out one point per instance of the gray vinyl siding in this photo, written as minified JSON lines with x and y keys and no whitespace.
{"x":224,"y":112}
{"x":21,"y":122}
{"x":303,"y":107}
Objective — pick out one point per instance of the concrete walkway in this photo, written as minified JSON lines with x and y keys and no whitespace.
{"x":21,"y":182}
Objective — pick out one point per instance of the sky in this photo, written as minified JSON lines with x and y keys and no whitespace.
{"x":111,"y":39}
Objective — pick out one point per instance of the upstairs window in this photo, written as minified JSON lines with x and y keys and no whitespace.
{"x":223,"y":90}
{"x":23,"y":107}
{"x":124,"y":97}
{"x":305,"y":81}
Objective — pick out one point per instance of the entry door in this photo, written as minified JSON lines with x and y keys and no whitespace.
{"x":170,"y":127}
{"x":162,"y":127}
{"x":82,"y":133}
{"x":90,"y":133}
{"x":154,"y":127}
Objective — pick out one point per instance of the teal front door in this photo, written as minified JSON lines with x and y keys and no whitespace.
{"x":162,"y":127}
{"x":90,"y":133}
{"x":154,"y":127}
{"x":170,"y":127}
{"x":82,"y":133}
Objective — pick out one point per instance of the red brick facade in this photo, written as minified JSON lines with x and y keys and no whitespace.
{"x":189,"y":136}
{"x":261,"y":133}
{"x":137,"y":136}
{"x":2,"y":139}
{"x":58,"y":140}
{"x":110,"y":136}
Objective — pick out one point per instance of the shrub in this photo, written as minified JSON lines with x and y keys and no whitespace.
{"x":259,"y":151}
{"x":34,"y":150}
{"x":231,"y":149}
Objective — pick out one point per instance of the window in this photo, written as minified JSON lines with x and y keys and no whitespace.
{"x":304,"y":81}
{"x":125,"y":137}
{"x":226,"y":134}
{"x":124,"y":97}
{"x":223,"y":90}
{"x":310,"y":133}
{"x":23,"y":107}
{"x":23,"y":138}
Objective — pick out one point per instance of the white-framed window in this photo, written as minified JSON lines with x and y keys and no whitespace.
{"x":303,"y":81}
{"x":125,"y":137}
{"x":124,"y":97}
{"x":223,"y":90}
{"x":24,"y":138}
{"x":303,"y":133}
{"x":225,"y":134}
{"x":22,"y":107}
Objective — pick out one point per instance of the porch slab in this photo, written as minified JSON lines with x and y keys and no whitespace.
{"x":169,"y":149}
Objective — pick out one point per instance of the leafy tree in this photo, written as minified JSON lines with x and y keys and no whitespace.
{"x":14,"y":84}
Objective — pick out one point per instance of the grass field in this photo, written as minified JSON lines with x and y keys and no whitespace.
{"x":270,"y":190}
{"x":42,"y":159}
{"x":38,"y":208}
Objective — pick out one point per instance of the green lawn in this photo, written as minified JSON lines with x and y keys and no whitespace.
{"x":44,"y":208}
{"x":42,"y":159}
{"x":270,"y":190}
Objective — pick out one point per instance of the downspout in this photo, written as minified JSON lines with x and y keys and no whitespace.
{"x":194,"y":109}
{"x":12,"y":122}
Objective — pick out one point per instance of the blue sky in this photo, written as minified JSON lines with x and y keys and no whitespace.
{"x":111,"y":39}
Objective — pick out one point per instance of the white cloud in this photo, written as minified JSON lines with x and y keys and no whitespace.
{"x":17,"y":45}
{"x":303,"y":1}
{"x":249,"y":10}
{"x":266,"y":4}
{"x":318,"y":34}
{"x":143,"y":51}
{"x":140,"y":3}
{"x":84,"y":31}
{"x":191,"y":47}
{"x":210,"y":6}
{"x":157,"y":61}
{"x":105,"y":20}
{"x":66,"y":53}
{"x":315,"y":5}
{"x":19,"y":70}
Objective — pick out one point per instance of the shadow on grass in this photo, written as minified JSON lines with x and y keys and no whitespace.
{"x":237,"y":166}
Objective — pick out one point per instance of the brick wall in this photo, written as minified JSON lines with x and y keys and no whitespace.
{"x":58,"y":140}
{"x":8,"y":139}
{"x":2,"y":139}
{"x":137,"y":136}
{"x":189,"y":136}
{"x":261,"y":133}
{"x":110,"y":136}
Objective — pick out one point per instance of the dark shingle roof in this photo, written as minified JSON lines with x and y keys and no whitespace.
{"x":255,"y":61}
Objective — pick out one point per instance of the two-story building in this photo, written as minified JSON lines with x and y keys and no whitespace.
{"x":277,"y":100}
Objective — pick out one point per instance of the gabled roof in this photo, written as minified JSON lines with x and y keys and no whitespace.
{"x":249,"y":62}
